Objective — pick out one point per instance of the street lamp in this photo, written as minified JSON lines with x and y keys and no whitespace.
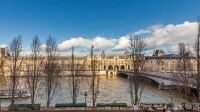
{"x":171,"y":96}
{"x":1,"y":94}
{"x":85,"y":95}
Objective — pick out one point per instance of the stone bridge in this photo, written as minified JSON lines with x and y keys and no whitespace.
{"x":164,"y":80}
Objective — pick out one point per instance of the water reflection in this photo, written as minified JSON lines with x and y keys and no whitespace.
{"x":112,"y":89}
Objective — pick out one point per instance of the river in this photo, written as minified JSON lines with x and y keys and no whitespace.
{"x":111,"y":89}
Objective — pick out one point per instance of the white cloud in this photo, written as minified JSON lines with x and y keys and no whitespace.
{"x":158,"y":36}
{"x":43,"y":46}
{"x":98,"y":42}
{"x":102,"y":43}
{"x":73,"y":42}
{"x":123,"y":43}
{"x":3,"y":45}
{"x":142,"y":31}
{"x":170,"y":35}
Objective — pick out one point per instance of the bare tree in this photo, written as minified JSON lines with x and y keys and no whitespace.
{"x":74,"y":79}
{"x":15,"y":66}
{"x":95,"y":78}
{"x":52,"y":69}
{"x":185,"y":69}
{"x":34,"y":65}
{"x":197,"y":51}
{"x":136,"y":49}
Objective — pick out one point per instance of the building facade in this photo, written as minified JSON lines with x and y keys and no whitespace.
{"x":102,"y":62}
{"x":158,"y":62}
{"x":162,"y":62}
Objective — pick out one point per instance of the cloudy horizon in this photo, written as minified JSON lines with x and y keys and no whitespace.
{"x":106,"y":24}
{"x":155,"y":37}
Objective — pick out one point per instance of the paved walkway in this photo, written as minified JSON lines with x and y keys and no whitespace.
{"x":52,"y":109}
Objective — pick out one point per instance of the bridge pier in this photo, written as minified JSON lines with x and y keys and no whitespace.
{"x":111,"y":73}
{"x":128,"y":77}
{"x":161,"y":87}
{"x":166,"y":87}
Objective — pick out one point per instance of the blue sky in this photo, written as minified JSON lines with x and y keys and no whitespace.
{"x":108,"y":19}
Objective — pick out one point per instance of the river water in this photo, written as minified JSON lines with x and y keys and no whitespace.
{"x":111,"y":89}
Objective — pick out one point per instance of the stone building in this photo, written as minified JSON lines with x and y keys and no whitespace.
{"x":108,"y":63}
{"x":158,"y":62}
{"x":162,"y":62}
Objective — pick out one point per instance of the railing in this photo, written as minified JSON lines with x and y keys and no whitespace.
{"x":89,"y":108}
{"x":167,"y":76}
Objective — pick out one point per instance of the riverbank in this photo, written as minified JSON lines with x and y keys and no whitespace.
{"x":70,"y":110}
{"x":86,"y":111}
{"x":74,"y":111}
{"x":97,"y":109}
{"x":82,"y":111}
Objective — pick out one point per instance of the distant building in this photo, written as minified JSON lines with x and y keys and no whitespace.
{"x":162,"y":62}
{"x":158,"y":62}
{"x":102,"y":62}
{"x":4,"y":52}
{"x":159,"y":52}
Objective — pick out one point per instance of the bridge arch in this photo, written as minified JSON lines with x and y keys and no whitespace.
{"x":110,"y":67}
{"x":149,"y":80}
{"x":116,"y":67}
{"x":141,"y":77}
{"x":122,"y":75}
{"x":122,"y":67}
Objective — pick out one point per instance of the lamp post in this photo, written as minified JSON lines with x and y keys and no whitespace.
{"x":85,"y":96}
{"x":95,"y":95}
{"x":171,"y":96}
{"x":1,"y":94}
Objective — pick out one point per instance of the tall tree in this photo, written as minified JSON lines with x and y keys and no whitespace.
{"x":137,"y":59}
{"x":74,"y":78}
{"x":95,"y":78}
{"x":197,"y":51}
{"x":34,"y":65}
{"x":185,"y":68}
{"x":52,"y":69}
{"x":15,"y":65}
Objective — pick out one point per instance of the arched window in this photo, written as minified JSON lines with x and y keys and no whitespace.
{"x":122,"y":67}
{"x":104,"y":67}
{"x":110,"y":67}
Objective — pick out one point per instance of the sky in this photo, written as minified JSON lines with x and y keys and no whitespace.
{"x":105,"y":23}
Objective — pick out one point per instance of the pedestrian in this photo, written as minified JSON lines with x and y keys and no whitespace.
{"x":153,"y":108}
{"x":164,"y":110}
{"x":184,"y":108}
{"x":135,"y":108}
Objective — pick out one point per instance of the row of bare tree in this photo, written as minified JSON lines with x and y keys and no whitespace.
{"x":51,"y":68}
{"x":46,"y":68}
{"x":186,"y":70}
{"x":137,"y":47}
{"x":34,"y":63}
